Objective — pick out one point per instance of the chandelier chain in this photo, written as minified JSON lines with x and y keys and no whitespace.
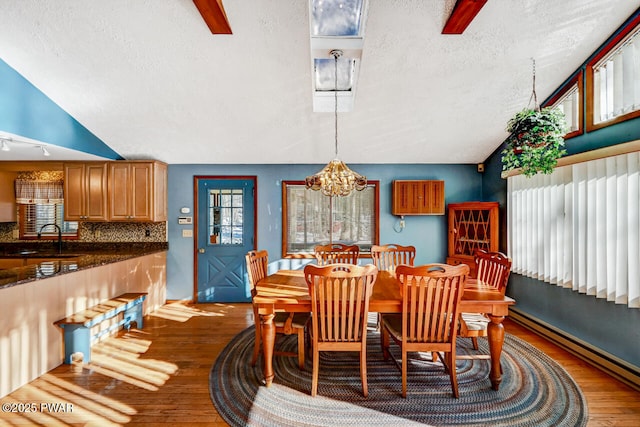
{"x":336,"y":179}
{"x":336,"y":54}
{"x":534,"y":96}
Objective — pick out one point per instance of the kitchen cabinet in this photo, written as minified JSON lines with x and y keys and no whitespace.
{"x":137,"y":191}
{"x":85,"y":191}
{"x":8,"y":197}
{"x":418,"y":197}
{"x":472,"y":226}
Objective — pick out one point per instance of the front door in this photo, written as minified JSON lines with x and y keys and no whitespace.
{"x":225,"y":233}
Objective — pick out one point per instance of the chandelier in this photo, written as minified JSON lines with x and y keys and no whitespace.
{"x":336,"y":179}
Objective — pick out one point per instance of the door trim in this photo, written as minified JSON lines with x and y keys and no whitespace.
{"x":196,"y":220}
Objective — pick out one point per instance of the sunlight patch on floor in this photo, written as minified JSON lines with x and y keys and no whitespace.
{"x":56,"y":404}
{"x":181,"y":312}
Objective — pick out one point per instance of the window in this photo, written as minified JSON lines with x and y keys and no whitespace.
{"x":225,"y":216}
{"x":41,"y":203}
{"x":569,"y":100}
{"x":613,"y":80}
{"x":34,"y":216}
{"x":579,"y":227}
{"x":310,"y":218}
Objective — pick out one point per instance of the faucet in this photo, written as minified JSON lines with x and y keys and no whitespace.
{"x":59,"y":235}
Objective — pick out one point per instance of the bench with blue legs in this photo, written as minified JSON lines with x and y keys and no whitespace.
{"x":84,"y":328}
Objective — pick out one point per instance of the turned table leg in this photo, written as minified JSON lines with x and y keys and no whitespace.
{"x":268,"y":340}
{"x":496,"y":339}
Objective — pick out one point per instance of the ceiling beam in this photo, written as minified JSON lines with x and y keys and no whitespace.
{"x":213,"y":13}
{"x":463,"y":13}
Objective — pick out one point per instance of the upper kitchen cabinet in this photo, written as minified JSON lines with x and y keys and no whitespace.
{"x":7,"y":197}
{"x":137,"y":191}
{"x":85,"y":191}
{"x":418,"y":197}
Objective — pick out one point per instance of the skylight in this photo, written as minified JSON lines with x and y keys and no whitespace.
{"x":324,"y":72}
{"x":338,"y":18}
{"x":335,"y":24}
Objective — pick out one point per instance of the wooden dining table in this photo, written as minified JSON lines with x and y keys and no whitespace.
{"x":286,"y":290}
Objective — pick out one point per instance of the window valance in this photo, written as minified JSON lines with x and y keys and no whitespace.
{"x":37,"y":192}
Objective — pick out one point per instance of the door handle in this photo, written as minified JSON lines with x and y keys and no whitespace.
{"x":201,"y":250}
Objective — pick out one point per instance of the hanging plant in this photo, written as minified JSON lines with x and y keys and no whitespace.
{"x":535,"y":142}
{"x":536,"y":139}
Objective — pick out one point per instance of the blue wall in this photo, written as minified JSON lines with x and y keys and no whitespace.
{"x":427,"y":233}
{"x":605,"y":325}
{"x":26,"y":111}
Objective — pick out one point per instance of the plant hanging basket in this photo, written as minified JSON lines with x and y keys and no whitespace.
{"x":535,"y":142}
{"x":536,"y":138}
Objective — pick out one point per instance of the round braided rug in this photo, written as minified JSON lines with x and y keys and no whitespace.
{"x":535,"y":390}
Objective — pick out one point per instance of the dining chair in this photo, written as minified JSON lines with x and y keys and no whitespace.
{"x":431,"y":296}
{"x":285,"y":323}
{"x":492,"y":272}
{"x":339,"y":305}
{"x":388,"y":257}
{"x":336,"y":253}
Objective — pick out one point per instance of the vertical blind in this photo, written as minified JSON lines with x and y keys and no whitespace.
{"x":617,"y":81}
{"x":579,"y":227}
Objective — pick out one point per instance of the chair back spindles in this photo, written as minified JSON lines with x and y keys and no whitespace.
{"x":493,"y":269}
{"x":388,"y":257}
{"x":257,"y":262}
{"x":337,"y":253}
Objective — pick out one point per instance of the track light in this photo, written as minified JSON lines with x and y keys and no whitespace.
{"x":4,"y":142}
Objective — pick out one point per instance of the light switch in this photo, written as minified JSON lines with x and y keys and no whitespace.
{"x":187,"y":233}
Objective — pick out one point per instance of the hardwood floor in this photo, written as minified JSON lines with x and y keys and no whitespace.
{"x":159,"y":376}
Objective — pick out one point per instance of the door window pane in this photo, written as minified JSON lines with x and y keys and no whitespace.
{"x":225,"y":216}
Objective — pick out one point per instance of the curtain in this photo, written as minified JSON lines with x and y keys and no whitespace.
{"x":579,"y":227}
{"x":38,"y":192}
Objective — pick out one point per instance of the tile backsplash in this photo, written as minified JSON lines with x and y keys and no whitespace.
{"x":104,"y":232}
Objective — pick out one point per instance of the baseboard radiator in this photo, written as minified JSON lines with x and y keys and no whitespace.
{"x":596,"y":357}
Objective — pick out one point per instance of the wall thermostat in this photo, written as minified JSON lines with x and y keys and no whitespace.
{"x":185,"y":220}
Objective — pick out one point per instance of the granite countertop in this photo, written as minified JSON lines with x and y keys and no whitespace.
{"x":74,"y":257}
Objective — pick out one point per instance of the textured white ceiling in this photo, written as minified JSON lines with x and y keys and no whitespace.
{"x":149,"y":79}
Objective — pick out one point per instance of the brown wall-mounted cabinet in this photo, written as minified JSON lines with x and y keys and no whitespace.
{"x":137,"y":191}
{"x":85,"y":191}
{"x":418,"y":197}
{"x":133,"y":191}
{"x":472,"y":226}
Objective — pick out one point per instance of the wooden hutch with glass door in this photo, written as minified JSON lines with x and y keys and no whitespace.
{"x":472,"y":226}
